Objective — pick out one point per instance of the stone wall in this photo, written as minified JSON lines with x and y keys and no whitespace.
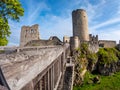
{"x":93,"y":47}
{"x":66,"y":39}
{"x":80,"y":24}
{"x":107,"y":43}
{"x":52,"y":41}
{"x":29,"y":33}
{"x":119,"y":46}
{"x":93,"y":43}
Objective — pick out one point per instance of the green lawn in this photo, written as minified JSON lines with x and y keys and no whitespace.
{"x":106,"y":83}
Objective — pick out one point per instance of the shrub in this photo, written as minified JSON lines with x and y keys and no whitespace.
{"x":92,"y":57}
{"x":84,"y":49}
{"x":107,"y":55}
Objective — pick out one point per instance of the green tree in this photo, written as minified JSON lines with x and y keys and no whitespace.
{"x":9,"y":9}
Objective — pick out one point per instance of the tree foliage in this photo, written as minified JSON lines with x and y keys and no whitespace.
{"x":9,"y":9}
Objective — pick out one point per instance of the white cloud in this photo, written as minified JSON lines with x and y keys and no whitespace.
{"x":113,"y":34}
{"x":12,"y":44}
{"x":118,"y":12}
{"x":59,"y":26}
{"x":35,"y":11}
{"x":56,"y":26}
{"x":32,"y":12}
{"x":93,"y":11}
{"x":108,"y":22}
{"x":51,"y":24}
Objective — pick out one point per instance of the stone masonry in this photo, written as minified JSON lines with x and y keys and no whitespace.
{"x":74,"y":43}
{"x":29,"y":33}
{"x":107,"y":43}
{"x":80,"y":24}
{"x":80,"y":29}
{"x":66,"y":39}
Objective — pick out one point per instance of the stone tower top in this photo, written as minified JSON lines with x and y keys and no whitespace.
{"x":29,"y":33}
{"x":36,"y":25}
{"x":79,"y":10}
{"x":80,"y":24}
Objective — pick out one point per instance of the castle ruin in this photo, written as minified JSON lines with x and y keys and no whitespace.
{"x":48,"y":66}
{"x":118,"y":45}
{"x":30,"y":37}
{"x":29,"y":33}
{"x":66,"y":39}
{"x":80,"y":30}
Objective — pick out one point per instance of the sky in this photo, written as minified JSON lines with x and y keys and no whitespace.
{"x":55,"y":19}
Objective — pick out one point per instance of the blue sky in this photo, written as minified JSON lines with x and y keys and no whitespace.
{"x":54,"y":18}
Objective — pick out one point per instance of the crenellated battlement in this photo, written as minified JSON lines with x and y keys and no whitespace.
{"x":93,"y":38}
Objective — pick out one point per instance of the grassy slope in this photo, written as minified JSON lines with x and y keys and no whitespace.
{"x":107,"y":83}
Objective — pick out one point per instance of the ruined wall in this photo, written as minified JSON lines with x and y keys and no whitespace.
{"x":93,"y":39}
{"x":107,"y":43}
{"x":119,"y":46}
{"x":93,"y":47}
{"x":66,"y":39}
{"x":93,"y":43}
{"x":55,"y":39}
{"x":29,"y":33}
{"x":80,"y":24}
{"x":52,"y":41}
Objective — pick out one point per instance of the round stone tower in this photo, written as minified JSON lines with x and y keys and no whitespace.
{"x":74,"y":43}
{"x":80,"y":24}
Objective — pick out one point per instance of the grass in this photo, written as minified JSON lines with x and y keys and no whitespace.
{"x":106,"y":83}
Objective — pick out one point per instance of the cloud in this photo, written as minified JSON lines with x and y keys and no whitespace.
{"x":35,"y":11}
{"x":15,"y":28}
{"x":93,"y":11}
{"x":99,"y":22}
{"x":12,"y":44}
{"x":114,"y":34}
{"x":118,"y":11}
{"x":52,"y":24}
{"x":108,"y":22}
{"x":56,"y":26}
{"x":60,"y":26}
{"x":32,"y":12}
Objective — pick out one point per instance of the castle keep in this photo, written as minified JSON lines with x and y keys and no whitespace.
{"x":80,"y":24}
